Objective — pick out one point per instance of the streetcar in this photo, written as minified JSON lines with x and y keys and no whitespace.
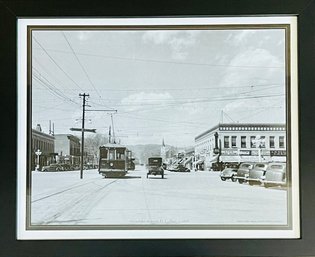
{"x":113,"y":160}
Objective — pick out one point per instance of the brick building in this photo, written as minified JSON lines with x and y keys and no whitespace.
{"x":44,"y":144}
{"x":67,"y":147}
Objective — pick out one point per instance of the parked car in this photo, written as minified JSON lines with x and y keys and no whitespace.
{"x":52,"y":167}
{"x":256,"y":173}
{"x":76,"y":167}
{"x":66,"y":166}
{"x":180,"y":168}
{"x":275,"y":175}
{"x":243,"y":171}
{"x":228,"y":173}
{"x":88,"y":166}
{"x":155,"y":166}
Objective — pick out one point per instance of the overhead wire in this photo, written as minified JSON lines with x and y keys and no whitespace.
{"x":53,"y":89}
{"x":42,"y":68}
{"x":53,"y":60}
{"x":82,"y":67}
{"x":171,"y":62}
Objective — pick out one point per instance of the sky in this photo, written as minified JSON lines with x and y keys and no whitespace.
{"x":164,"y":84}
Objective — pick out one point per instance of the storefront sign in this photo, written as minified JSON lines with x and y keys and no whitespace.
{"x":278,"y":152}
{"x":245,"y":152}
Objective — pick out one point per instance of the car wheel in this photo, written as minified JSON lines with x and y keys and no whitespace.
{"x":241,"y":181}
{"x":162,"y":175}
{"x":233,"y":179}
{"x":223,"y":178}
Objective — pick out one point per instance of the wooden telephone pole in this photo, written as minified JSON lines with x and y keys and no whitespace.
{"x":82,"y":132}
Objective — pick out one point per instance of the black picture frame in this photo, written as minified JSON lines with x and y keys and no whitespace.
{"x":11,"y":10}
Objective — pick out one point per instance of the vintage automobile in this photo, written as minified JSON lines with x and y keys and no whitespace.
{"x":66,"y":166}
{"x":155,"y":166}
{"x":52,"y":167}
{"x":256,"y":173}
{"x":180,"y":168}
{"x":243,"y":171}
{"x":275,"y":175}
{"x":228,"y":173}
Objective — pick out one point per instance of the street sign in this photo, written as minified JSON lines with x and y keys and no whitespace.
{"x":85,"y":130}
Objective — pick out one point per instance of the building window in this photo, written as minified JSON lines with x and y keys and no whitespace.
{"x":272,"y":142}
{"x":243,"y":141}
{"x":252,"y":140}
{"x":281,"y":142}
{"x":233,"y":141}
{"x":226,"y":142}
{"x":262,"y":141}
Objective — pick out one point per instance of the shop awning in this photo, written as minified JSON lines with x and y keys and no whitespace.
{"x":229,"y":158}
{"x":199,"y":162}
{"x":188,"y":160}
{"x":214,"y":158}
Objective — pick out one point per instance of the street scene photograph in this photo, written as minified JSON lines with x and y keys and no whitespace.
{"x":165,"y":126}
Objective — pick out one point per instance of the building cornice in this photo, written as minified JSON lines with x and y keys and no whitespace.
{"x":39,"y":133}
{"x":244,"y":127}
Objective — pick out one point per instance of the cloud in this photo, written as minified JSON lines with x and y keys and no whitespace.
{"x":191,"y":107}
{"x":257,"y":58}
{"x":142,"y":100}
{"x":250,"y":67}
{"x":179,"y":42}
{"x":255,"y":73}
{"x":84,"y":35}
{"x":238,"y":38}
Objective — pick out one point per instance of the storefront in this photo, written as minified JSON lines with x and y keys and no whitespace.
{"x":236,"y":143}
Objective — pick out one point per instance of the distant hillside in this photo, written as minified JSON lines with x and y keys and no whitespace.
{"x":143,"y":152}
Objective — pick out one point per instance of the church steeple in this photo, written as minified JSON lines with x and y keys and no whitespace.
{"x":163,"y":150}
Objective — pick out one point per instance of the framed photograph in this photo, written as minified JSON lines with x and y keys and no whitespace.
{"x":158,"y":128}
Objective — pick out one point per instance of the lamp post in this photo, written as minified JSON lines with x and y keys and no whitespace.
{"x":259,"y":141}
{"x":38,"y":153}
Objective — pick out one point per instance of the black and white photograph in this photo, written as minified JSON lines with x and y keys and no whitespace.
{"x":182,"y":128}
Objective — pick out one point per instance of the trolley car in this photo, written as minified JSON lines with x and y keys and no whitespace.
{"x":113,"y":160}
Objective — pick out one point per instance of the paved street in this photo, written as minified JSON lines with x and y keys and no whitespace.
{"x":180,"y":198}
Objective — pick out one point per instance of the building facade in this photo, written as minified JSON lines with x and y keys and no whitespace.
{"x":42,"y":148}
{"x":236,"y":143}
{"x":68,"y":149}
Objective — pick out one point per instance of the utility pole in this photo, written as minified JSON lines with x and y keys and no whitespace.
{"x":82,"y":137}
{"x":83,"y":129}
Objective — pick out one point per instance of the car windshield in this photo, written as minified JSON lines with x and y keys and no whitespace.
{"x":260,"y":165}
{"x":157,"y":161}
{"x":246,"y":165}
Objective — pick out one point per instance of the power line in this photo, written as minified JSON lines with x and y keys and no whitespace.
{"x":51,"y":58}
{"x":195,"y":89}
{"x":51,"y":87}
{"x":84,"y":70}
{"x":172,"y":62}
{"x":176,"y":103}
{"x":42,"y":68}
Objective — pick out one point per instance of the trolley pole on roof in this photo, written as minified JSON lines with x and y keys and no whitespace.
{"x":82,"y":132}
{"x":84,"y":129}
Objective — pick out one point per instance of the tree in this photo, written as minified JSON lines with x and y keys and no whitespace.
{"x":93,"y":142}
